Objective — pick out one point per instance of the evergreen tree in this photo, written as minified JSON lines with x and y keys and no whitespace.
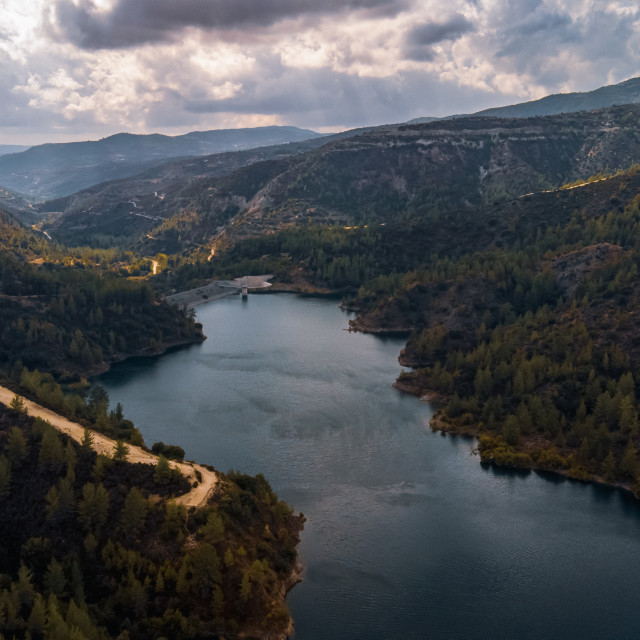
{"x":86,"y":446}
{"x":16,"y":448}
{"x":162,"y":473}
{"x":629,"y":463}
{"x":54,"y":580}
{"x":120,"y":451}
{"x":17,"y":404}
{"x":38,"y":617}
{"x":609,"y":467}
{"x":134,"y":512}
{"x":5,"y":476}
{"x":51,"y":450}
{"x":93,"y":508}
{"x":213,"y":531}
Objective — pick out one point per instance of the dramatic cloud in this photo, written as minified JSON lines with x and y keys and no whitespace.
{"x":134,"y":22}
{"x":421,"y":38}
{"x":78,"y":69}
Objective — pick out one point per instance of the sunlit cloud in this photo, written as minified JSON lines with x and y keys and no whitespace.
{"x":76,"y":69}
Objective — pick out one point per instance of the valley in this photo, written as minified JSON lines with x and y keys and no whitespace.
{"x":493,"y":256}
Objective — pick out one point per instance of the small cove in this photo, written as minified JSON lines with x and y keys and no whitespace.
{"x":408,"y":536}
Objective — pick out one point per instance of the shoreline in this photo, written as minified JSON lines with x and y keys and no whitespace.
{"x":438,"y":424}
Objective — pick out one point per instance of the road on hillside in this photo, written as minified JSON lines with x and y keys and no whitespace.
{"x":197,"y":497}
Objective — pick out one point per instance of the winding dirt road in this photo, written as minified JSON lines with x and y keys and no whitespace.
{"x":197,"y":497}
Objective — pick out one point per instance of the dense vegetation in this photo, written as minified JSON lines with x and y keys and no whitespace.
{"x":534,"y":346}
{"x":68,"y":315}
{"x":86,"y":554}
{"x":392,"y":174}
{"x":524,"y":327}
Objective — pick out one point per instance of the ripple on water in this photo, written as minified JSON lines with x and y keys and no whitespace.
{"x":407,"y":535}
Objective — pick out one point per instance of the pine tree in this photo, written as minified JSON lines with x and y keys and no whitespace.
{"x":86,"y":446}
{"x":162,"y":473}
{"x":24,"y":589}
{"x":51,"y":450}
{"x":120,"y":451}
{"x":629,"y":462}
{"x":93,"y":507}
{"x":54,"y":580}
{"x":38,"y":617}
{"x":213,"y":531}
{"x":609,"y":467}
{"x":16,"y":448}
{"x":17,"y":404}
{"x":134,"y":511}
{"x":5,"y":476}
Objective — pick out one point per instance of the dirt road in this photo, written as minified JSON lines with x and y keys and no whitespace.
{"x":197,"y":497}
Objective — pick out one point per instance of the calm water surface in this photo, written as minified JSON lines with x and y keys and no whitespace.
{"x":407,"y":535}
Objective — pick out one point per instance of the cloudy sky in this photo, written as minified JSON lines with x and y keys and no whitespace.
{"x":84,"y":69}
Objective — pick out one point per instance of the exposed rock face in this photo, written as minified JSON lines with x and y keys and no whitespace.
{"x":401,"y":172}
{"x":572,"y":269}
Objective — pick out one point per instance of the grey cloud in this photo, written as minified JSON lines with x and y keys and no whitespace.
{"x":527,"y":40}
{"x":434,"y":32}
{"x":420,"y":40}
{"x":320,"y":97}
{"x":134,"y":22}
{"x":550,"y":27}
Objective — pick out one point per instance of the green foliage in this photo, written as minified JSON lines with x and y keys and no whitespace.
{"x":16,"y":448}
{"x":51,"y":450}
{"x":134,"y":512}
{"x":93,"y":508}
{"x":169,"y":451}
{"x":162,"y":473}
{"x":213,"y":531}
{"x":120,"y":451}
{"x":5,"y":476}
{"x":17,"y":404}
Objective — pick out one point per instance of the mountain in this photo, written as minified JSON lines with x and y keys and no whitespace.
{"x":627,"y":92}
{"x":11,"y":148}
{"x":154,"y":194}
{"x":393,"y":173}
{"x":53,"y":170}
{"x":23,"y":209}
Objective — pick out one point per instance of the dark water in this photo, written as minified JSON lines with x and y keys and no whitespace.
{"x":407,"y":535}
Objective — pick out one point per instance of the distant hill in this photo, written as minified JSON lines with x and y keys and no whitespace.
{"x":53,"y":170}
{"x":402,"y":172}
{"x":627,"y":92}
{"x":11,"y":148}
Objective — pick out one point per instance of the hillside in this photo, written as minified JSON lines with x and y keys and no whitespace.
{"x":396,"y":173}
{"x":53,"y":170}
{"x":73,"y":312}
{"x":94,"y":546}
{"x":524,"y":328}
{"x":627,"y":92}
{"x":118,"y":209}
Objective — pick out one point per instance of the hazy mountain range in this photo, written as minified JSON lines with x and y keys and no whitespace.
{"x":53,"y":170}
{"x":381,"y":175}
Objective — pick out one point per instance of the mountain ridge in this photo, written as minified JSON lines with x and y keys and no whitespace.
{"x":53,"y":170}
{"x":626,"y":92}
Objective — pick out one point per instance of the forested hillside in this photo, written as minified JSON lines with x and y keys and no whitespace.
{"x":72,"y":312}
{"x":403,"y":174}
{"x":524,"y":326}
{"x":94,"y":547}
{"x":54,"y":170}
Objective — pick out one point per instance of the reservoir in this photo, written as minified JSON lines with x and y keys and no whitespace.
{"x":407,"y":535}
